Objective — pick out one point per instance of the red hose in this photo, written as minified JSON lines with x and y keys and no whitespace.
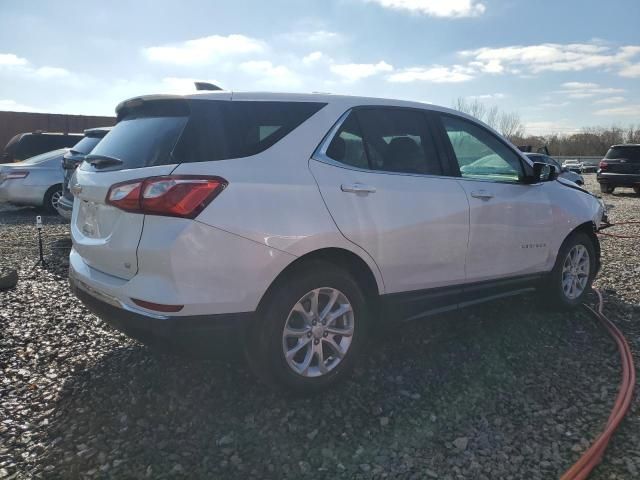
{"x":592,"y":457}
{"x":616,"y":235}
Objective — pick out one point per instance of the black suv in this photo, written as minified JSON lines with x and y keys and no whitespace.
{"x":70,"y":162}
{"x":27,"y":145}
{"x":620,"y":167}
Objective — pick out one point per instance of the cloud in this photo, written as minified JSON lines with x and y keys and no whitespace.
{"x":610,"y":100}
{"x":489,"y":96}
{"x":13,"y":106}
{"x":315,"y":57}
{"x":270,"y":74}
{"x":357,"y":71}
{"x":51,"y":72}
{"x":11,"y":60}
{"x":317,"y":38}
{"x":436,"y":8}
{"x":632,"y":71}
{"x":579,"y":85}
{"x":627,"y":111}
{"x":182,"y":85}
{"x":586,"y":90}
{"x":550,"y":57}
{"x":205,"y":50}
{"x":545,"y":127}
{"x":434,"y":74}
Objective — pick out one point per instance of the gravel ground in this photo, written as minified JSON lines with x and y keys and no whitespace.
{"x":503,"y":391}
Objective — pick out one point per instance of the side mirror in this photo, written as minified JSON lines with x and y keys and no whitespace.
{"x":543,"y":172}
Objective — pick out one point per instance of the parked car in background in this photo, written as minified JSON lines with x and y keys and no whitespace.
{"x":563,"y":172}
{"x":35,"y":181}
{"x":620,"y":167}
{"x":298,"y":223}
{"x":573,"y":165}
{"x":589,"y":165}
{"x":70,"y":162}
{"x":27,"y":145}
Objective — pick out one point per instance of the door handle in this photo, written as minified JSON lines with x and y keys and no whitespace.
{"x":482,"y":194}
{"x":357,"y":188}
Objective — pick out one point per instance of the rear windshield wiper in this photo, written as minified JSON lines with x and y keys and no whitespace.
{"x":102,"y":161}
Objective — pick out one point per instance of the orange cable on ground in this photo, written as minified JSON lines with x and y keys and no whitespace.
{"x":592,"y":457}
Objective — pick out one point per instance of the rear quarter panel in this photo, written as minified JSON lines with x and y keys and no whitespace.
{"x":273,"y":199}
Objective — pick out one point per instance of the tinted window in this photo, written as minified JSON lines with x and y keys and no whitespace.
{"x":223,"y":130}
{"x":347,"y":145}
{"x":479,"y":153}
{"x":398,"y":140}
{"x":628,"y":153}
{"x":141,"y":141}
{"x":85,"y":145}
{"x":34,"y":144}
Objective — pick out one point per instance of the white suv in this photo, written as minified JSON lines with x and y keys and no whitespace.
{"x":299,"y":222}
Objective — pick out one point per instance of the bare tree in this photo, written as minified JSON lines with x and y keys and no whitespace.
{"x":507,"y":123}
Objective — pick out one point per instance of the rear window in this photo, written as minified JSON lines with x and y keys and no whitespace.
{"x":628,"y":153}
{"x":224,"y":130}
{"x":85,"y":145}
{"x":142,"y":141}
{"x":34,"y":144}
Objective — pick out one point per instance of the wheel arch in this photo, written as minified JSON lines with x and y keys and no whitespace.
{"x":340,"y":257}
{"x":588,"y":228}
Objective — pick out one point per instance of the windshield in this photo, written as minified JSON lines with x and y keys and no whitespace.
{"x":85,"y":145}
{"x":43,"y":157}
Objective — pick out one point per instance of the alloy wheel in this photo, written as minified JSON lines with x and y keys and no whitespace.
{"x":55,"y":199}
{"x":575,"y":272}
{"x":318,"y":332}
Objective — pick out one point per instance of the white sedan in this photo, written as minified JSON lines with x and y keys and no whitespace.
{"x":36,"y":181}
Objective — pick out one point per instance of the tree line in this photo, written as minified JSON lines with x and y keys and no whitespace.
{"x":589,"y":141}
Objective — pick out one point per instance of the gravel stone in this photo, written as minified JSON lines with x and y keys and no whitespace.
{"x":521,"y":384}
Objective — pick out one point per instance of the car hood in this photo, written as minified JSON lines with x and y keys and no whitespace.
{"x":570,"y":184}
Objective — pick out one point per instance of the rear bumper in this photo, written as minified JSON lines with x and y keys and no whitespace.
{"x":619,"y":179}
{"x":186,"y":331}
{"x":16,"y":192}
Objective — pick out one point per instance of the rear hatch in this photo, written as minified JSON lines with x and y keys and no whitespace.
{"x":73,"y":159}
{"x":139,"y":146}
{"x":623,"y":159}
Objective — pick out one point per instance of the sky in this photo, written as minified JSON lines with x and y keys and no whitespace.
{"x":561,"y":64}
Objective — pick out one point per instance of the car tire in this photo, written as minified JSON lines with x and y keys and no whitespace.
{"x":51,"y":198}
{"x":288,"y":346}
{"x":604,"y":188}
{"x":571,"y":278}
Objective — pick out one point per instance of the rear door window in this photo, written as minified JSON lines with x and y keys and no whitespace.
{"x":398,"y":140}
{"x":347,"y":145}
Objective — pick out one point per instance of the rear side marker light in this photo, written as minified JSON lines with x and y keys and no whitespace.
{"x":158,"y":307}
{"x":182,"y":196}
{"x":603,"y":165}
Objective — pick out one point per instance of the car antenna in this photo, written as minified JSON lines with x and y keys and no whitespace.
{"x":206,"y":86}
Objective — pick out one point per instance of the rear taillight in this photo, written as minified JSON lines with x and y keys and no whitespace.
{"x":16,"y":174}
{"x":172,"y":196}
{"x":603,"y":165}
